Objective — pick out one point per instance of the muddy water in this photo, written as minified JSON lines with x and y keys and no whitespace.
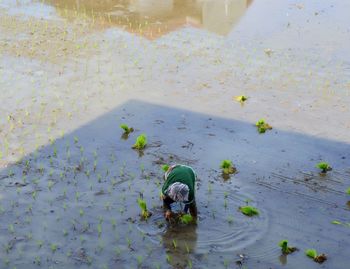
{"x":72,"y":71}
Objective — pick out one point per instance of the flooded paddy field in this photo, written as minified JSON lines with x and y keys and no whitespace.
{"x":71,"y":72}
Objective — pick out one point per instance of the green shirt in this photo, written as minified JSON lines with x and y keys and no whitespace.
{"x":183,"y":174}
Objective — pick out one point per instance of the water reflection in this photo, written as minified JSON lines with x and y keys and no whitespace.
{"x":179,"y":243}
{"x":154,"y":18}
{"x":283,"y":259}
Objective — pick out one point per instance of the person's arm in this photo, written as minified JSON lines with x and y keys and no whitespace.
{"x":192,"y":208}
{"x":167,"y":201}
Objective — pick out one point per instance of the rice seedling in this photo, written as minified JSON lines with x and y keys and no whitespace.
{"x":226,"y":263}
{"x":230,"y":219}
{"x":312,"y":253}
{"x":227,"y":167}
{"x":29,"y":208}
{"x":128,"y":240}
{"x":107,"y":206}
{"x":65,"y":232}
{"x":117,"y":251}
{"x":348,"y":191}
{"x":141,"y":142}
{"x":262,"y":126}
{"x":241,"y":98}
{"x":39,"y":243}
{"x":285,"y":248}
{"x":82,"y":239}
{"x":53,"y":247}
{"x":99,"y":229}
{"x":189,"y":264}
{"x":324,"y":166}
{"x":95,"y":165}
{"x":186,"y":219}
{"x":100,"y":246}
{"x":249,"y":210}
{"x":37,"y":260}
{"x":139,"y":260}
{"x":165,"y":167}
{"x":50,"y":184}
{"x":77,"y":196}
{"x":336,"y":222}
{"x":18,"y":190}
{"x":11,"y":229}
{"x":126,"y":128}
{"x":121,"y":210}
{"x":174,"y":243}
{"x":145,"y":214}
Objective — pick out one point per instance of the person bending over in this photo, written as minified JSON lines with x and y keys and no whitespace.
{"x":179,"y":186}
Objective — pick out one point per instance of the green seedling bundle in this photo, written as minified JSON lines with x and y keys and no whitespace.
{"x":262,"y":126}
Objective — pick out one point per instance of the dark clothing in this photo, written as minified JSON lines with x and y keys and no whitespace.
{"x":183,"y":174}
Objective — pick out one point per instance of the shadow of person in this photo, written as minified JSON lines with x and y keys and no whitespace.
{"x":179,"y":242}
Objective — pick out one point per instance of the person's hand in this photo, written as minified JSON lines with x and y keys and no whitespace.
{"x":168,"y":214}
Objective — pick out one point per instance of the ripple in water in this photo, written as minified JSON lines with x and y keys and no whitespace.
{"x":221,"y":226}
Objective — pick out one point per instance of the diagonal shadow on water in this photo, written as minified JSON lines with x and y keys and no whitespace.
{"x":73,"y":202}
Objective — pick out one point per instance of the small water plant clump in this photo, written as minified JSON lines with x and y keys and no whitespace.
{"x":141,"y":142}
{"x":145,"y":214}
{"x":312,"y":253}
{"x":348,"y":191}
{"x":262,"y":126}
{"x":126,"y":128}
{"x":249,"y":210}
{"x":285,"y":248}
{"x":324,"y":166}
{"x":227,"y":167}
